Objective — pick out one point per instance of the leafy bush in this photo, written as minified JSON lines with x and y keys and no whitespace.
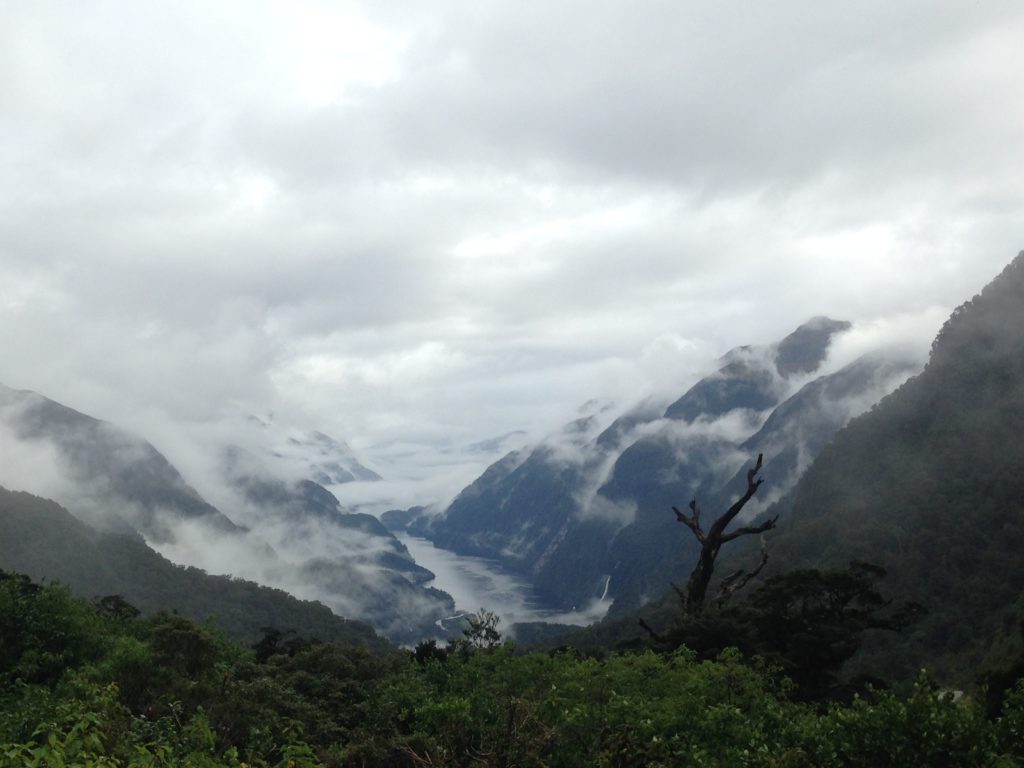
{"x":101,"y":690}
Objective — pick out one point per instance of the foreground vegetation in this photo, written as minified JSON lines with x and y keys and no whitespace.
{"x":95,"y":685}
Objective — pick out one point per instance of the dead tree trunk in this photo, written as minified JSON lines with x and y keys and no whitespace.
{"x":737,"y":580}
{"x":713,"y":539}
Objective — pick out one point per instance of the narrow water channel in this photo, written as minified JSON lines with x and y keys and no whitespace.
{"x":477,"y":582}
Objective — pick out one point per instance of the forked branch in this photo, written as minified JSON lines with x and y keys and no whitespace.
{"x":737,"y":580}
{"x":691,"y":521}
{"x":712,"y":540}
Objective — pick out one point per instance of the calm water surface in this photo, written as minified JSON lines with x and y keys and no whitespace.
{"x":477,"y":582}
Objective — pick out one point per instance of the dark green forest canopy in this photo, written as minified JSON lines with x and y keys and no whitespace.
{"x":80,"y":686}
{"x":928,"y":484}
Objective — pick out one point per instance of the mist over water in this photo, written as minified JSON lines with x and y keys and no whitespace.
{"x":478,"y":582}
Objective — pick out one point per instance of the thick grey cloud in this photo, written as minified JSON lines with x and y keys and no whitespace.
{"x":419,"y":225}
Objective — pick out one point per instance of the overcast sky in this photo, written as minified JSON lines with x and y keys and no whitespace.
{"x":417,"y":225}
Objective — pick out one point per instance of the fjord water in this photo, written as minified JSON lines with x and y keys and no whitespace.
{"x":479,"y":582}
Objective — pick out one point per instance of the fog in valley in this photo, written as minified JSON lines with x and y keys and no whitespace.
{"x":380,"y":248}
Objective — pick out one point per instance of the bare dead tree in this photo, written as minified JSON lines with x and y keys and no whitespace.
{"x":712,"y":540}
{"x":738,"y":579}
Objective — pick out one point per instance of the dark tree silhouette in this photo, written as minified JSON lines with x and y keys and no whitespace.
{"x":807,"y":623}
{"x":711,"y":542}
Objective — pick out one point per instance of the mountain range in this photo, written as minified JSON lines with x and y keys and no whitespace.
{"x":871,"y":459}
{"x":281,"y":528}
{"x":927,"y":485}
{"x":43,"y":540}
{"x":586,"y":513}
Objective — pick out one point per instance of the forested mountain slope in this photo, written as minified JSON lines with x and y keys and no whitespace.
{"x":108,"y":474}
{"x":272,"y":524}
{"x":588,"y":510}
{"x":790,"y":438}
{"x":42,"y":540}
{"x":930,"y":485}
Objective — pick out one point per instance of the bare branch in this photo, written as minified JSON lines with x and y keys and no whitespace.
{"x":679,"y":591}
{"x":693,"y":523}
{"x":753,"y":483}
{"x":737,"y":580}
{"x":767,"y":525}
{"x":752,"y":473}
{"x":420,"y":761}
{"x":712,"y":540}
{"x":726,"y":586}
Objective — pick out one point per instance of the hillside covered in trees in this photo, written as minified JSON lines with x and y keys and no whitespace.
{"x":581,"y":514}
{"x":92,"y":685}
{"x":923,"y":485}
{"x":925,"y":488}
{"x":41,"y":539}
{"x":928,"y":485}
{"x":896,"y":551}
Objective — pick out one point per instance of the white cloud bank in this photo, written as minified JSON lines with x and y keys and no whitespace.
{"x":416,"y":226}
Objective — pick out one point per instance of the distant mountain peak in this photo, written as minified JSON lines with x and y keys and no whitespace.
{"x":582,"y":513}
{"x":313,"y":453}
{"x":752,"y":377}
{"x":805,"y":349}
